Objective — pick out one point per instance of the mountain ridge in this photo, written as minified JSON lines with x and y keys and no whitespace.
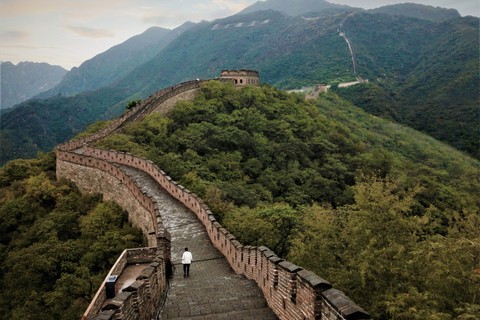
{"x":26,"y":79}
{"x":420,"y":11}
{"x":289,"y":52}
{"x":116,"y":62}
{"x":294,"y":7}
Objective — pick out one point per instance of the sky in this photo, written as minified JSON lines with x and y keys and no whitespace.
{"x":69,"y":32}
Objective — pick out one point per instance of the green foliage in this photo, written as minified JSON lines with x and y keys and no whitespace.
{"x":271,"y":225}
{"x":56,"y":245}
{"x":252,"y":144}
{"x":367,"y":204}
{"x":93,"y":128}
{"x":133,"y":103}
{"x":22,"y":169}
{"x":39,"y":125}
{"x":385,"y":260}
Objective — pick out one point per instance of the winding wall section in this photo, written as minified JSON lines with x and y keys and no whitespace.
{"x":291,"y":291}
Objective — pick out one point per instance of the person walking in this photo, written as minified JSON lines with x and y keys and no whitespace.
{"x":186,"y":261}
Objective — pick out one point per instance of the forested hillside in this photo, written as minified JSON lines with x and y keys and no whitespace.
{"x":38,"y":125}
{"x":419,"y":11}
{"x":385,"y":213}
{"x":56,"y":245}
{"x":295,"y":7}
{"x":428,"y":80}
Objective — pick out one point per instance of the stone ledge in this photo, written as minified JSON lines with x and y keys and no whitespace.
{"x":289,"y":266}
{"x":344,"y":305}
{"x":314,"y":281}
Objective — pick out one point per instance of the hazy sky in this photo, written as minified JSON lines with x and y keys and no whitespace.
{"x":68,"y":32}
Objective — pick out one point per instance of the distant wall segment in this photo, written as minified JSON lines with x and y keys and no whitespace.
{"x":291,"y":291}
{"x":95,"y":176}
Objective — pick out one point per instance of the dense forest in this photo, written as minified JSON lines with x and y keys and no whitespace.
{"x":56,"y":245}
{"x":385,"y":213}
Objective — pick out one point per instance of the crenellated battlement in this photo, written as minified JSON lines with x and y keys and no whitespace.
{"x":291,"y":291}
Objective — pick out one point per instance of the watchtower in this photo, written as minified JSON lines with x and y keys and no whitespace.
{"x":242,"y":77}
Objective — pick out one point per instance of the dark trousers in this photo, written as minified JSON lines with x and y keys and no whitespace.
{"x":186,"y":269}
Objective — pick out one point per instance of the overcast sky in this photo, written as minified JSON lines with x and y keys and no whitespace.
{"x":68,"y":32}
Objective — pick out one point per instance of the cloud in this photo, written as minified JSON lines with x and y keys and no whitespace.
{"x":91,"y":32}
{"x":225,"y":6}
{"x":9,"y":8}
{"x":10,"y":35}
{"x":232,"y":6}
{"x":161,"y":19}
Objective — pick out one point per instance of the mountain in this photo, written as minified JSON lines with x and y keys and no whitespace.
{"x":288,"y":52}
{"x":22,"y":81}
{"x":426,"y":74}
{"x":419,"y":11}
{"x":39,"y":125}
{"x":392,"y":52}
{"x":115,"y":63}
{"x":294,"y":7}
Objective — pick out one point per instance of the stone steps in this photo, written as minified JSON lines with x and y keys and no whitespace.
{"x":213,"y":290}
{"x":256,"y":314}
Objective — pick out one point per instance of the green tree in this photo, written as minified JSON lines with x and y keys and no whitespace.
{"x":269,"y":225}
{"x":56,"y":245}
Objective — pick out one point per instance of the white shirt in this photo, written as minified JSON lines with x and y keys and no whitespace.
{"x":187,"y":257}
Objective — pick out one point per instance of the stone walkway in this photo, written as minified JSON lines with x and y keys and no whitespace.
{"x":213,"y":290}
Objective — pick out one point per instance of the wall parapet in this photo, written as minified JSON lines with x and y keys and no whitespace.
{"x":134,"y":114}
{"x":146,"y":288}
{"x":291,"y":291}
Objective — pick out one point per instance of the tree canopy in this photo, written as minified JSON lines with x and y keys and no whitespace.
{"x":56,"y":245}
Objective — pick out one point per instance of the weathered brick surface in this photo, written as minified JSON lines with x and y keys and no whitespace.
{"x":116,"y":187}
{"x":140,"y":300}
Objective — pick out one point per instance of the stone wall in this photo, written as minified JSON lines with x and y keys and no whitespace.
{"x":159,"y":102}
{"x":94,"y":176}
{"x":140,"y":299}
{"x":291,"y":291}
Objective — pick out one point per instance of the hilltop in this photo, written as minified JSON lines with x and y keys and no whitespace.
{"x":313,"y":181}
{"x":419,"y":11}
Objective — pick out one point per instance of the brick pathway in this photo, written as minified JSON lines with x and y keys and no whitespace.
{"x":213,"y":290}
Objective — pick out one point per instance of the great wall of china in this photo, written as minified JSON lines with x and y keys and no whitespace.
{"x":289,"y":290}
